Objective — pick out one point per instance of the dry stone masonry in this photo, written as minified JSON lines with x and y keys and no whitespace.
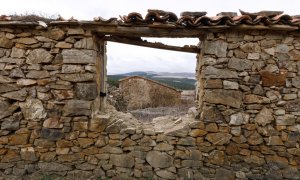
{"x":54,"y":122}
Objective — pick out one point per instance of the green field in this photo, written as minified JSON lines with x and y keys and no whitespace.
{"x":179,"y":83}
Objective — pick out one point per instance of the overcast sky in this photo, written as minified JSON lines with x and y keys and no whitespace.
{"x":125,"y":58}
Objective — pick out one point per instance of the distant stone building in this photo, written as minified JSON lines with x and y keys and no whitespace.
{"x":140,"y":92}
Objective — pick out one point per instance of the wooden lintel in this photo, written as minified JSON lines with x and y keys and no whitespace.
{"x":156,"y":45}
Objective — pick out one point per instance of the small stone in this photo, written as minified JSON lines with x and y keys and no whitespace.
{"x":52,"y":134}
{"x":230,"y":85}
{"x":282,"y":48}
{"x":218,"y":48}
{"x":16,"y":95}
{"x":239,"y":118}
{"x":251,"y":98}
{"x":250,"y":47}
{"x":159,"y":159}
{"x":218,"y":138}
{"x":296,"y":81}
{"x":293,"y":105}
{"x":240,"y":64}
{"x":63,"y":45}
{"x":5,"y":79}
{"x":33,"y":109}
{"x":236,"y":130}
{"x":85,"y":142}
{"x":271,"y":79}
{"x":69,"y":69}
{"x":270,"y":51}
{"x":163,"y":147}
{"x":85,"y":43}
{"x":258,"y":90}
{"x":33,"y":74}
{"x":286,"y":120}
{"x":77,"y":107}
{"x":77,"y":77}
{"x":165,"y":174}
{"x":80,"y":126}
{"x":126,"y":161}
{"x":274,"y":141}
{"x":255,"y":139}
{"x":6,"y":43}
{"x":188,"y":141}
{"x":28,"y":154}
{"x":18,"y":139}
{"x":52,"y":123}
{"x":17,"y":53}
{"x":86,"y":91}
{"x":216,"y":157}
{"x":16,"y":73}
{"x":264,"y":117}
{"x":253,"y":56}
{"x":213,"y":84}
{"x":222,"y":174}
{"x":53,"y":167}
{"x":56,"y":34}
{"x":197,"y":132}
{"x":215,"y":73}
{"x":63,"y":94}
{"x":38,"y":56}
{"x":226,"y":97}
{"x":27,"y":41}
{"x":26,"y":82}
{"x":74,"y":56}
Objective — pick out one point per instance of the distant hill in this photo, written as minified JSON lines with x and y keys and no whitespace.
{"x":183,"y":81}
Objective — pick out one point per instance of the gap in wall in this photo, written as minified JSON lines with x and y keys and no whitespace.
{"x":176,"y":69}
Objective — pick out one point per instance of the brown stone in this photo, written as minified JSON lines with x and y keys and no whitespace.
{"x":77,"y":77}
{"x":28,"y":154}
{"x":272,"y":79}
{"x":63,"y":94}
{"x":232,"y":149}
{"x":80,"y":126}
{"x":85,"y":142}
{"x":293,"y":105}
{"x":52,"y":123}
{"x":264,"y":117}
{"x":274,"y":141}
{"x":197,"y":132}
{"x":6,"y":43}
{"x":252,"y":98}
{"x":18,"y":139}
{"x":63,"y":45}
{"x":38,"y":56}
{"x":255,"y":139}
{"x":122,"y":160}
{"x":213,"y":84}
{"x":27,"y":41}
{"x":211,"y":127}
{"x":77,"y":107}
{"x":279,"y":161}
{"x":64,"y":143}
{"x":33,"y":74}
{"x":216,"y":157}
{"x":218,"y":138}
{"x":295,"y":55}
{"x":11,"y":156}
{"x":211,"y":114}
{"x":226,"y":97}
{"x":252,"y":159}
{"x":159,"y":159}
{"x":56,"y":34}
{"x":44,"y":143}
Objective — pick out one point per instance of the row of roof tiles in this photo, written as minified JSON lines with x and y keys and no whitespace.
{"x":195,"y":19}
{"x":186,"y":19}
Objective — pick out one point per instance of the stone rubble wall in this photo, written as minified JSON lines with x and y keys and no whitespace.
{"x":248,"y":99}
{"x":251,"y":91}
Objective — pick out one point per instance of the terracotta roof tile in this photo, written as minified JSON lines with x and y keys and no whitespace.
{"x":196,"y":19}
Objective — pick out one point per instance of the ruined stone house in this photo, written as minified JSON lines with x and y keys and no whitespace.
{"x":54,"y":119}
{"x":140,"y":93}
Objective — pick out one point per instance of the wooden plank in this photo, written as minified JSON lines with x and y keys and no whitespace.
{"x":140,"y":42}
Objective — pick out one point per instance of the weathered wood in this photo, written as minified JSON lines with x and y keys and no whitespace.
{"x":156,"y":45}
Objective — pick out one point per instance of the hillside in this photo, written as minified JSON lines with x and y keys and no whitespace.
{"x":183,"y":81}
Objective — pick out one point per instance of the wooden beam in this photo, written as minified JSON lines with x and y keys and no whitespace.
{"x":140,"y":42}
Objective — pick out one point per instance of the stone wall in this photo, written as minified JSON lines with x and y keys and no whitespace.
{"x":248,"y":99}
{"x":250,"y":87}
{"x":140,"y":93}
